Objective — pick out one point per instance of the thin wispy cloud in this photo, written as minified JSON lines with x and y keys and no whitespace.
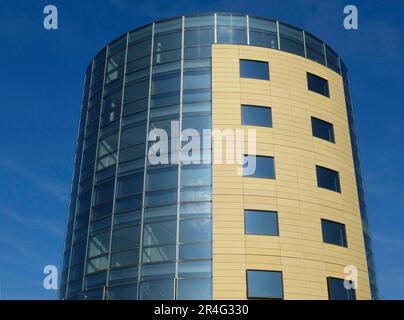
{"x":59,"y":191}
{"x":38,"y":222}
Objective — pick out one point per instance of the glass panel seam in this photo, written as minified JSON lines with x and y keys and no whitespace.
{"x":117,"y":163}
{"x":179,"y":165}
{"x":145,"y":162}
{"x":248,"y":29}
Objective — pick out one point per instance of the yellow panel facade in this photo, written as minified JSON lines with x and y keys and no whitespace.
{"x":299,"y":251}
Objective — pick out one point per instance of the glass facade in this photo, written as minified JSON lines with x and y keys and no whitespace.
{"x":137,"y":230}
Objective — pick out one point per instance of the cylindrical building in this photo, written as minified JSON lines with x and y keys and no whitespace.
{"x":293,"y":228}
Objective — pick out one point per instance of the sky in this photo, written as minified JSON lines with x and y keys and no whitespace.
{"x":40,"y":99}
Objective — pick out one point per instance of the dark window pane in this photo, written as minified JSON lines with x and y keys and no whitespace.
{"x":159,"y":233}
{"x":254,"y":69}
{"x":332,"y":59}
{"x":328,"y":179}
{"x":229,"y":35}
{"x":337,"y":291}
{"x":125,"y":258}
{"x":263,"y":25}
{"x":126,"y":238}
{"x":160,"y":198}
{"x":129,"y":203}
{"x":256,"y":116}
{"x":317,"y":84}
{"x":232,"y":20}
{"x":263,"y":39}
{"x":133,"y":136}
{"x":198,"y":230}
{"x":315,"y":48}
{"x":140,"y":34}
{"x":158,"y":271}
{"x":195,"y":251}
{"x":104,"y":192}
{"x":160,"y":179}
{"x":292,"y":46}
{"x":156,"y":290}
{"x":259,"y":167}
{"x":158,"y":254}
{"x":261,"y":222}
{"x":167,"y":42}
{"x":192,"y":269}
{"x":98,"y":245}
{"x":157,"y":212}
{"x":197,"y":80}
{"x":137,"y":90}
{"x":322,"y":129}
{"x":264,"y":284}
{"x":128,"y":292}
{"x":97,"y":264}
{"x":199,"y":21}
{"x":95,"y":280}
{"x":168,"y":25}
{"x":291,"y":32}
{"x":165,"y":84}
{"x":197,"y":52}
{"x":139,"y":50}
{"x":198,"y":37}
{"x":123,"y":275}
{"x":130,"y":184}
{"x":334,"y":233}
{"x":194,"y":289}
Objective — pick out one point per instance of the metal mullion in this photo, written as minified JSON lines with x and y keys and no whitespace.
{"x":248,"y":29}
{"x":325,"y":54}
{"x":179,"y":164}
{"x":304,"y":43}
{"x":116,"y":167}
{"x":95,"y":169}
{"x":145,"y":162}
{"x":215,"y":27}
{"x":79,"y":179}
{"x":278,"y":35}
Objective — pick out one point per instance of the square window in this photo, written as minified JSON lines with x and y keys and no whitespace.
{"x":256,"y":116}
{"x":334,"y":233}
{"x":264,"y":284}
{"x":337,"y":290}
{"x":261,"y":222}
{"x":328,"y":179}
{"x":254,"y":69}
{"x":259,"y":167}
{"x":322,"y":129}
{"x":318,"y":84}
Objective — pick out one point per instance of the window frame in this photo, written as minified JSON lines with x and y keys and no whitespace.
{"x":261,"y":234}
{"x":314,"y":76}
{"x":345,"y":239}
{"x":338,"y":179}
{"x":268,"y":78}
{"x":265,"y":298}
{"x":313,"y":119}
{"x":251,"y":107}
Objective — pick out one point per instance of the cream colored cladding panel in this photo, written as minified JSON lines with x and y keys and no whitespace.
{"x":299,"y":251}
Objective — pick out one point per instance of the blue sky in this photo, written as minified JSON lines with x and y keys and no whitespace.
{"x":40,"y":98}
